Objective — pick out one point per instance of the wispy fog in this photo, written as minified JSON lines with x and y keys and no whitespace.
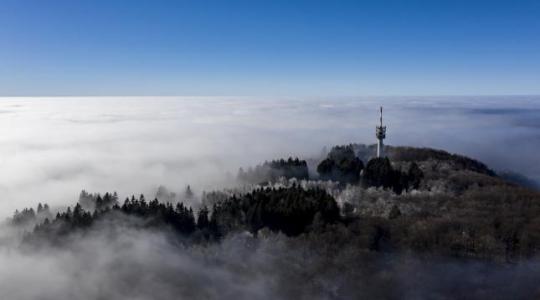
{"x":115,"y":261}
{"x":51,"y":148}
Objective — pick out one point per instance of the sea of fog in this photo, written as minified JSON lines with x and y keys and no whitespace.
{"x":52,"y":148}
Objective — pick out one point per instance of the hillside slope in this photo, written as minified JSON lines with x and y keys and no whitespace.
{"x":421,"y":200}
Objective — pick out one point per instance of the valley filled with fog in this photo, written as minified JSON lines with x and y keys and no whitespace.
{"x":52,"y":148}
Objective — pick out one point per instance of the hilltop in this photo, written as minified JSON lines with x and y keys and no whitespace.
{"x":417,"y":199}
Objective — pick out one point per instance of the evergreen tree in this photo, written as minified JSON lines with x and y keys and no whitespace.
{"x":202,"y":219}
{"x":341,"y":165}
{"x":188,"y":194}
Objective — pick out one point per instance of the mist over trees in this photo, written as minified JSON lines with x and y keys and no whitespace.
{"x":272,"y":170}
{"x":428,"y":203}
{"x":341,"y":165}
{"x":380,"y":173}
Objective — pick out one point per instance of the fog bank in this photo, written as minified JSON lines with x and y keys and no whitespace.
{"x":115,"y":261}
{"x":51,"y":148}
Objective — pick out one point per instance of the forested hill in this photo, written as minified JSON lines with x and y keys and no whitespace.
{"x":421,"y":200}
{"x":413,"y":154}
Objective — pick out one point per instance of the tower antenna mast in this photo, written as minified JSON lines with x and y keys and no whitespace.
{"x":380,"y":133}
{"x":381,"y":116}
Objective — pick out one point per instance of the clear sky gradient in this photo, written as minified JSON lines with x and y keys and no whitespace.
{"x":292,"y":48}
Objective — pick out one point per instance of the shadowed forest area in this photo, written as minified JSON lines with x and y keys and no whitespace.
{"x":426,"y":201}
{"x":417,"y":224}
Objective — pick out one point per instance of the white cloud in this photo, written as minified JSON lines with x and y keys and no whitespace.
{"x":51,"y":148}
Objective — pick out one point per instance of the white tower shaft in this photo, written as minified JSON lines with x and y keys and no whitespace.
{"x":380,"y":132}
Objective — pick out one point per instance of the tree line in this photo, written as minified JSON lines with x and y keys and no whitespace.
{"x":272,"y":170}
{"x":289,"y":210}
{"x":343,"y":165}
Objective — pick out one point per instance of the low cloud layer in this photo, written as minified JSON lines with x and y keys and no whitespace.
{"x":50,"y":149}
{"x":115,"y":261}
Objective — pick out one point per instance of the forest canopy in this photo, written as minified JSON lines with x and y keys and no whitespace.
{"x":428,"y":202}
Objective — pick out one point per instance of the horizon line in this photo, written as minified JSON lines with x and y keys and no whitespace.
{"x":273,"y":96}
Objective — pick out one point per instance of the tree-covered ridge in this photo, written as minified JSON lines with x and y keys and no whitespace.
{"x":288,"y":210}
{"x":154,"y":214}
{"x":272,"y":170}
{"x":411,"y":154}
{"x":29,"y":216}
{"x":406,"y":154}
{"x":380,"y":173}
{"x":498,"y":222}
{"x":97,"y":202}
{"x":406,"y":168}
{"x":426,"y":206}
{"x":341,"y":165}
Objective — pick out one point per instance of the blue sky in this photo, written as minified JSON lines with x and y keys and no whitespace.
{"x":286,"y":48}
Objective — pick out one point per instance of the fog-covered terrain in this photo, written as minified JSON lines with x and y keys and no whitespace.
{"x":431,"y":237}
{"x":54,"y":147}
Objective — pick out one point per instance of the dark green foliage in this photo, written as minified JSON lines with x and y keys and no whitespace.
{"x":492,"y":222}
{"x":380,"y":173}
{"x":341,"y":165}
{"x":154,"y":213}
{"x":418,"y":155}
{"x":289,"y":210}
{"x":271,"y":171}
{"x":414,"y":176}
{"x":96,"y":201}
{"x":107,"y":202}
{"x":179,"y":217}
{"x":467,"y":214}
{"x":410,"y":154}
{"x":202,"y":218}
